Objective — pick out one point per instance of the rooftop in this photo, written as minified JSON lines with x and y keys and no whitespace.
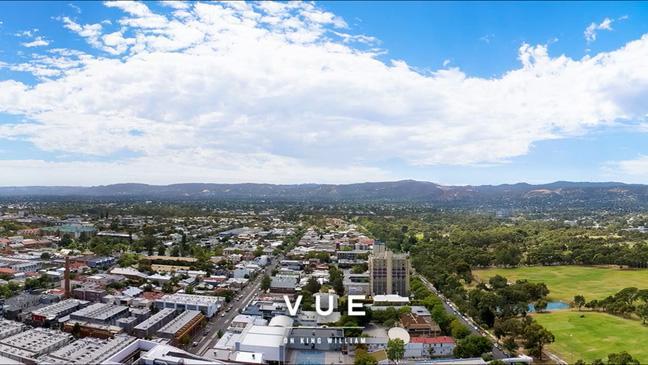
{"x":53,"y":310}
{"x":37,"y":340}
{"x":100,"y":311}
{"x":433,"y":340}
{"x":180,"y":321}
{"x":191,"y":299}
{"x":256,"y":336}
{"x":88,"y":350}
{"x":163,"y":313}
{"x":8,"y":328}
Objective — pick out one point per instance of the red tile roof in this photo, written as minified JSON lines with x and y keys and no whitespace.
{"x":152,"y":295}
{"x":432,"y":340}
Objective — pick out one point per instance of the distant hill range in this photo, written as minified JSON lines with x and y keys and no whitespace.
{"x":561,"y":192}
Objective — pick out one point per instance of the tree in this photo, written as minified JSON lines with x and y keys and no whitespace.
{"x":622,"y":358}
{"x":362,"y":357}
{"x":258,"y":251}
{"x":183,"y":243}
{"x":185,"y":340}
{"x":358,"y":269}
{"x":168,"y":287}
{"x":336,"y":279}
{"x":76,"y":330}
{"x":535,"y":337}
{"x":395,"y":349}
{"x":312,"y":285}
{"x":498,"y":282}
{"x":458,"y":330}
{"x":472,"y":346}
{"x":265,"y":282}
{"x":642,"y":312}
{"x":46,"y":256}
{"x":507,"y":255}
{"x":510,"y":345}
{"x":579,"y":301}
{"x":149,"y":242}
{"x":128,"y":259}
{"x":541,"y":305}
{"x":66,"y":240}
{"x":84,"y":237}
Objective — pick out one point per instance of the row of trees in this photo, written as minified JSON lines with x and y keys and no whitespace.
{"x":617,"y":358}
{"x":483,"y":241}
{"x":626,"y":302}
{"x":455,"y":247}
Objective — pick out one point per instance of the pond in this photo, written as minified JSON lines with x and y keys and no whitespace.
{"x":551,"y":306}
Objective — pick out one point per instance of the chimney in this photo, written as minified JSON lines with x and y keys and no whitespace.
{"x":67,"y":278}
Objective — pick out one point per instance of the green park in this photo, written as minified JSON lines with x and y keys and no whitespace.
{"x":586,"y":335}
{"x":592,"y":335}
{"x":564,"y":282}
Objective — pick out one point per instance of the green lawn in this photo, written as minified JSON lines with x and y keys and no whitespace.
{"x":594,"y":336}
{"x":566,"y":281}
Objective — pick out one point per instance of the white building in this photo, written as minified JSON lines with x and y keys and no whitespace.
{"x":26,"y":346}
{"x":208,"y":305}
{"x":424,"y":347}
{"x":87,"y":350}
{"x":256,"y":343}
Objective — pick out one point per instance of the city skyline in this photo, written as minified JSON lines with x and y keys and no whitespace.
{"x":170,"y":92}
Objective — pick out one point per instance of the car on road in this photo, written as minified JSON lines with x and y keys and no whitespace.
{"x":223,"y":315}
{"x":194,"y":344}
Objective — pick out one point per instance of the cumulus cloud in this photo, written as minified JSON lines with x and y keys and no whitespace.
{"x":590,"y":32}
{"x":37,"y":42}
{"x":270,"y":91}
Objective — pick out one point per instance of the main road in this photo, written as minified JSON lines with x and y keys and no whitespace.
{"x":222,"y":318}
{"x":451,"y":308}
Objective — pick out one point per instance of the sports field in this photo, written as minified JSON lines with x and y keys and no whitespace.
{"x":566,"y":281}
{"x":594,"y":336}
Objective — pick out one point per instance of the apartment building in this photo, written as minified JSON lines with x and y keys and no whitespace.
{"x":389,"y":272}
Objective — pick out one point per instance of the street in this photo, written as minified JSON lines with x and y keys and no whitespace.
{"x":451,"y":308}
{"x":220,"y":322}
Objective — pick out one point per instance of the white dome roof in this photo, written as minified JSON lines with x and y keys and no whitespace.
{"x":281,"y":321}
{"x":397,"y":332}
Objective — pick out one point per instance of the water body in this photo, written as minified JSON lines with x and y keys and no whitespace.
{"x":551,"y":306}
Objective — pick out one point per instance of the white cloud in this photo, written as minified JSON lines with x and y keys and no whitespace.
{"x":268,"y":92}
{"x":632,"y":170}
{"x":178,"y":5}
{"x":259,"y":169}
{"x":487,"y":38}
{"x":37,"y":42}
{"x":590,"y":32}
{"x":27,"y":33}
{"x":76,"y":8}
{"x":91,"y":32}
{"x":446,"y":62}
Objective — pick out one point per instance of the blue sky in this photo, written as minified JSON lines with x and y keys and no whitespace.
{"x":456,"y":93}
